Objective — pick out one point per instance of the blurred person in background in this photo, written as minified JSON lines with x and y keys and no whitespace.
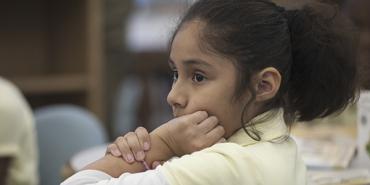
{"x":359,"y":10}
{"x":18,"y":149}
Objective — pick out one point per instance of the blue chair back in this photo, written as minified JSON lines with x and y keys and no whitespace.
{"x":64,"y":130}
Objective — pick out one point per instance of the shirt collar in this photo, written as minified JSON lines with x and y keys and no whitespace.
{"x":274,"y":128}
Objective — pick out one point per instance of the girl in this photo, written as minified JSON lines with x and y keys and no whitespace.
{"x":252,"y":67}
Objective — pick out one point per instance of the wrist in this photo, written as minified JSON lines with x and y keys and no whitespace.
{"x":160,"y":144}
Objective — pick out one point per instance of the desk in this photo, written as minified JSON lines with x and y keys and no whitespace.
{"x":83,"y":158}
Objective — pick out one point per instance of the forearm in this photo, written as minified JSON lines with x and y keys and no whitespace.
{"x":116,"y":166}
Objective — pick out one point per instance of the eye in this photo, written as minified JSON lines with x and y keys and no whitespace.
{"x":198,"y":78}
{"x":175,"y":75}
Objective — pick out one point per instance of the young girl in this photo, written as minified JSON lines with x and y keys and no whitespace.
{"x":243,"y":70}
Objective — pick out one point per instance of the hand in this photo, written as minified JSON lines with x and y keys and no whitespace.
{"x":190,"y":133}
{"x":182,"y":135}
{"x":131,"y":146}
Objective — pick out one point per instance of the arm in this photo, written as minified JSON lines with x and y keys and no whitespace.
{"x":4,"y":168}
{"x":177,"y":137}
{"x":89,"y":177}
{"x":115,"y":166}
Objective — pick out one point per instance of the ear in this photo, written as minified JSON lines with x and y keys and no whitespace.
{"x":268,"y":84}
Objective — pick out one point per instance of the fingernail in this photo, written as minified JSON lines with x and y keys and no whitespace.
{"x":140,"y":155}
{"x":146,"y":146}
{"x":129,"y":158}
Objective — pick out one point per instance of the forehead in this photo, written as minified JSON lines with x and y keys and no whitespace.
{"x":187,"y":46}
{"x":187,"y":39}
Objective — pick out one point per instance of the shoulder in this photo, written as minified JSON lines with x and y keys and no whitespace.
{"x":220,"y":164}
{"x":10,"y":97}
{"x":230,"y":163}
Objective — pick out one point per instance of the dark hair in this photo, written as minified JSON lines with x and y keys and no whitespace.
{"x":311,"y":48}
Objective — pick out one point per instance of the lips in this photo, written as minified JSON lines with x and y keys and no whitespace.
{"x":175,"y":113}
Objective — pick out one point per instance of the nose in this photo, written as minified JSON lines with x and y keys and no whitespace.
{"x":177,"y":96}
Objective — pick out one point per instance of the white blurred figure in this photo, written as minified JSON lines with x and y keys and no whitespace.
{"x":18,"y":148}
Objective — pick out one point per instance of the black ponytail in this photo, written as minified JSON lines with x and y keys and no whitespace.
{"x":323,"y":72}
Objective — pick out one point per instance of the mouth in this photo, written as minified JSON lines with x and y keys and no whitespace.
{"x":176,"y":112}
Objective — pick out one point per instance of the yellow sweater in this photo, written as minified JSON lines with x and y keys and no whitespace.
{"x":242,"y":160}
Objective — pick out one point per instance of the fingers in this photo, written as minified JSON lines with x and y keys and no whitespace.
{"x":195,"y":117}
{"x":135,"y":146}
{"x":143,"y":137}
{"x":124,"y":148}
{"x":208,"y":124}
{"x":113,"y":149}
{"x":215,"y":135}
{"x":131,"y":146}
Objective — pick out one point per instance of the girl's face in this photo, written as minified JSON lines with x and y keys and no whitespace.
{"x":202,"y":81}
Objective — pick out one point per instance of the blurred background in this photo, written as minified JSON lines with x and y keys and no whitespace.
{"x":109,"y":58}
{"x":95,"y":54}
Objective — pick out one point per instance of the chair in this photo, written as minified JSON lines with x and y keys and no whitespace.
{"x":64,"y":130}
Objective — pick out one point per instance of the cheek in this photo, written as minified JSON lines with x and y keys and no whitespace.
{"x":200,"y":102}
{"x":228,"y":113}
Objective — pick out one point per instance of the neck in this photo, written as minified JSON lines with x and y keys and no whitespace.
{"x":249,"y":113}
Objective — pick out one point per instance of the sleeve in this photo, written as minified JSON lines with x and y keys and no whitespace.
{"x":93,"y":177}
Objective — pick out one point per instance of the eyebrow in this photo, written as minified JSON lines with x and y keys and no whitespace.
{"x":190,"y":62}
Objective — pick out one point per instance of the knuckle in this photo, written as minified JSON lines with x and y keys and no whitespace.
{"x":134,"y":144}
{"x":140,"y":129}
{"x":143,"y":135}
{"x":130,"y":134}
{"x":124,"y":148}
{"x":121,"y":145}
{"x":119,"y":139}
